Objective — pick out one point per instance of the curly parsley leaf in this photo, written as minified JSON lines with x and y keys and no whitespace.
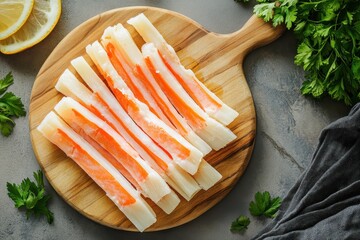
{"x":10,"y":106}
{"x":240,"y":224}
{"x":264,"y":205}
{"x":31,"y":196}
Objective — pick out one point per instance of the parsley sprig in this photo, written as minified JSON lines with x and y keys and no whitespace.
{"x":240,"y":224}
{"x":10,"y":106}
{"x":263,"y":205}
{"x":31,"y":196}
{"x":328,"y":33}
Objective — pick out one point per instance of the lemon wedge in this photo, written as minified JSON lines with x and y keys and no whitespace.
{"x":42,"y":20}
{"x":13,"y":14}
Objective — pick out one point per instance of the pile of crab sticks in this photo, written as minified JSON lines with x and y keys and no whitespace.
{"x":143,"y":127}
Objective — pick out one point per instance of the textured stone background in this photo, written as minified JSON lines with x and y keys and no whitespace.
{"x":288,"y":125}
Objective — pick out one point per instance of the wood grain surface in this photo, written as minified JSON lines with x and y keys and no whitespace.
{"x":217,"y":61}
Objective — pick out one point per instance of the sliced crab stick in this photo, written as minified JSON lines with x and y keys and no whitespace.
{"x":116,"y":187}
{"x":124,"y":52}
{"x":214,"y":133}
{"x":150,"y":181}
{"x":176,"y":177}
{"x":166,"y":203}
{"x":182,"y":152}
{"x":206,"y":99}
{"x":133,"y":83}
{"x":106,"y":155}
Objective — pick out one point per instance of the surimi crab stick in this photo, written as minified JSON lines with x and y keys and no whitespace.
{"x":212,"y":132}
{"x":117,"y":57}
{"x":177,"y":178}
{"x":166,"y":203}
{"x":216,"y":134}
{"x":106,"y":155}
{"x":134,"y":84}
{"x":182,"y":152}
{"x":207,"y":100}
{"x":116,"y":187}
{"x":150,"y":181}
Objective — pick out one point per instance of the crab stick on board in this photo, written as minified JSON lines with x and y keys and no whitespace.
{"x":166,"y":203}
{"x":116,"y":187}
{"x":106,"y":155}
{"x":181,"y":151}
{"x":160,"y":161}
{"x":214,"y":133}
{"x":206,"y":99}
{"x":150,"y":181}
{"x":133,"y":83}
{"x":119,"y":51}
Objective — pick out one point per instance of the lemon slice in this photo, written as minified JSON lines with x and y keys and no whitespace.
{"x":41,"y":22}
{"x":13,"y":14}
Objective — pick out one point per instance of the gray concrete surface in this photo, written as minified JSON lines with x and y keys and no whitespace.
{"x":288,"y":128}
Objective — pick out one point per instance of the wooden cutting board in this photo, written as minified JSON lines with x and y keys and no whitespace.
{"x":217,"y":61}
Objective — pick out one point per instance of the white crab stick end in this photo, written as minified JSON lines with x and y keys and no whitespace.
{"x":205,"y":98}
{"x":149,"y":180}
{"x":207,"y":176}
{"x":116,"y":187}
{"x":169,"y":202}
{"x":176,"y":177}
{"x":214,"y":133}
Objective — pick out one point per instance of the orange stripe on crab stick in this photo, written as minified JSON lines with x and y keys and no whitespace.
{"x":93,"y":169}
{"x":206,"y":99}
{"x":163,"y":105}
{"x":123,"y":69}
{"x":73,"y":112}
{"x":159,"y":160}
{"x":194,"y":119}
{"x":193,"y":88}
{"x":106,"y":155}
{"x":116,"y":187}
{"x":115,"y":57}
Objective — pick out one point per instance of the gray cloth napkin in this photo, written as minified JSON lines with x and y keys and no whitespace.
{"x":325,"y":202}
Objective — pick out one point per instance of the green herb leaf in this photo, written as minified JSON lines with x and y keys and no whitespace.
{"x":10,"y":106}
{"x":31,"y":196}
{"x":264,"y":205}
{"x":264,"y":10}
{"x":240,"y":224}
{"x":6,"y":82}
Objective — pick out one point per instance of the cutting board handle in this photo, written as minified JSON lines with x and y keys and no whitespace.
{"x":255,"y":33}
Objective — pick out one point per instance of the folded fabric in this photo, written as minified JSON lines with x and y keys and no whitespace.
{"x":325,"y":202}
